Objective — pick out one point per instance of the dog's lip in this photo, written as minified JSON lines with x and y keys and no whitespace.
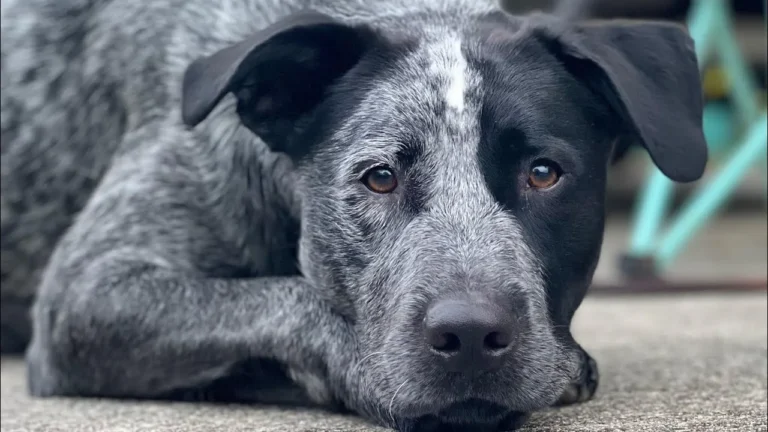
{"x":468,"y":411}
{"x":472,"y":408}
{"x":467,"y":415}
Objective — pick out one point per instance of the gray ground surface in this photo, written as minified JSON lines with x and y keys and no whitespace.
{"x":682,"y":363}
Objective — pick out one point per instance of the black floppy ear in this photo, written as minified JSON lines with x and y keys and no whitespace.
{"x":648,"y":73}
{"x":277,"y":75}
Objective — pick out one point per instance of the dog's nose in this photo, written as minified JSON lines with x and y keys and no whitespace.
{"x":469,"y":337}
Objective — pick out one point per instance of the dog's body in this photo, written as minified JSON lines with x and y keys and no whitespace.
{"x":171,"y":258}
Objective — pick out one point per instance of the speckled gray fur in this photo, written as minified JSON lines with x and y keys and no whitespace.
{"x":163,"y":258}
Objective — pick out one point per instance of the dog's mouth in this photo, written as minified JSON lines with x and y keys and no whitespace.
{"x":473,"y":415}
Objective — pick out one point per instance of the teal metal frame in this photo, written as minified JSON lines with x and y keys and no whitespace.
{"x":710,"y":24}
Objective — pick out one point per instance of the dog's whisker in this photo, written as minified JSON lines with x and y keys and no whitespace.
{"x":394,"y":395}
{"x":374,"y":408}
{"x":371,"y":355}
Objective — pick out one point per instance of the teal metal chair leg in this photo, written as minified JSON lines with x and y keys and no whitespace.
{"x":657,"y":192}
{"x":700,"y":19}
{"x":710,"y":26}
{"x":711,"y":196}
{"x":742,"y":84}
{"x":655,"y":199}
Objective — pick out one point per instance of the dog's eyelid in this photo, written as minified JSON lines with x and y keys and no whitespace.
{"x":562,"y":154}
{"x":363,"y":168}
{"x":376,"y":159}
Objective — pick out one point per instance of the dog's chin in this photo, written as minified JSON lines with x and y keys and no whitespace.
{"x":473,"y":415}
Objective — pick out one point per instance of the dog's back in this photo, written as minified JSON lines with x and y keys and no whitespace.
{"x":63,"y":116}
{"x":77,"y":77}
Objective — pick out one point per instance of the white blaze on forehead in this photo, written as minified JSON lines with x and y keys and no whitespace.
{"x":449,"y":62}
{"x":457,"y":177}
{"x":457,"y":78}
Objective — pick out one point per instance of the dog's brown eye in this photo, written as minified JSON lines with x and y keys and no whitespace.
{"x":544,"y":174}
{"x":380,"y":180}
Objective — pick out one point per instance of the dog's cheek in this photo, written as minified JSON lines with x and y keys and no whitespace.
{"x":566,"y":235}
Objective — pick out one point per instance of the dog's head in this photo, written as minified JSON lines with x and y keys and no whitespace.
{"x":453,"y":167}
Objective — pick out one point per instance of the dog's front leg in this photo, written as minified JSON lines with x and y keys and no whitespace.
{"x":142,"y":331}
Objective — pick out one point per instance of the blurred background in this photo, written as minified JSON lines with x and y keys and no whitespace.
{"x":720,"y":241}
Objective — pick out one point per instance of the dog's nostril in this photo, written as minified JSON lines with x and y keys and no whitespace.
{"x":497,"y":340}
{"x":446,"y":342}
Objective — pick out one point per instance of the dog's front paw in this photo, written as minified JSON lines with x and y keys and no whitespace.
{"x":585,"y":386}
{"x":42,"y":381}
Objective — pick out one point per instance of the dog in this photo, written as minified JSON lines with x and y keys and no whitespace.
{"x":388,"y":207}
